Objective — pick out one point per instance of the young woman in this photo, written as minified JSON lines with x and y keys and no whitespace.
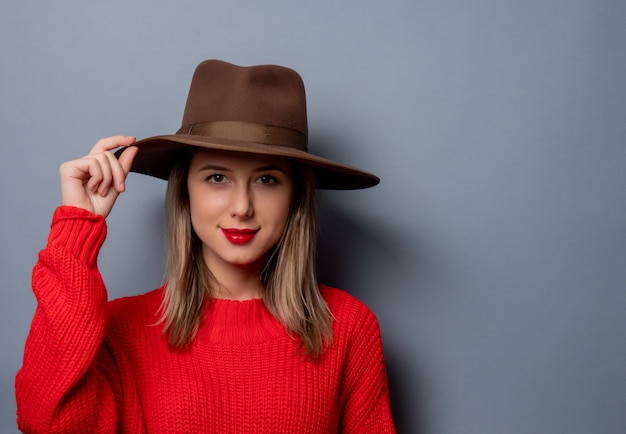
{"x":241,"y":338}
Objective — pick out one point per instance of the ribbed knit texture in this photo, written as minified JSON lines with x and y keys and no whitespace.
{"x":96,"y":367}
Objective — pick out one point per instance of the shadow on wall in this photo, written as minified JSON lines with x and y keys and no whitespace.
{"x":360,"y":257}
{"x":406,"y":403}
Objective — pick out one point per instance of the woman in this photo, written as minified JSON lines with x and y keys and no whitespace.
{"x":241,"y":338}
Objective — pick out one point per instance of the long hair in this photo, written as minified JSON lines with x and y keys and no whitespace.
{"x":288,"y":280}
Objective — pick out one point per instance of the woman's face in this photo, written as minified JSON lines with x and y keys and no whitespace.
{"x":239,"y":205}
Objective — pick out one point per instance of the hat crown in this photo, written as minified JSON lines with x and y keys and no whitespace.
{"x":269,"y":95}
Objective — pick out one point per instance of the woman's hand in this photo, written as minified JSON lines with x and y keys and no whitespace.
{"x":94,"y":181}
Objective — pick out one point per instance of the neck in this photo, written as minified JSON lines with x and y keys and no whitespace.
{"x":237,"y":282}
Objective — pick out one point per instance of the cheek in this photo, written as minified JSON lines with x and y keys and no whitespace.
{"x":202,"y":212}
{"x":195,"y":209}
{"x":282,"y":214}
{"x":205,"y":204}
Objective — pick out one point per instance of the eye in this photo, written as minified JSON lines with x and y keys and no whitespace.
{"x":267,"y":180}
{"x":216,"y":178}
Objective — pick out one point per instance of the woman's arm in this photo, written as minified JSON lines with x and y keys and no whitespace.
{"x":365,"y":397}
{"x":65,"y":382}
{"x":58,"y":385}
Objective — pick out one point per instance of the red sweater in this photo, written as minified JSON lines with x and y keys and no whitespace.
{"x":96,"y":366}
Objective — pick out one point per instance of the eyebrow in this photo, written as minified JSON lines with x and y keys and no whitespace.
{"x":214,"y":167}
{"x":267,"y":168}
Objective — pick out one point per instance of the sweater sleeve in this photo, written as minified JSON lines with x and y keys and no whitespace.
{"x":365,"y":396}
{"x":60,"y":387}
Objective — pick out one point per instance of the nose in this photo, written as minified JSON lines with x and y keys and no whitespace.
{"x":242,"y":202}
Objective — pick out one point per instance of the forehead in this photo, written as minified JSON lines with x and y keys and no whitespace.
{"x":234,"y":160}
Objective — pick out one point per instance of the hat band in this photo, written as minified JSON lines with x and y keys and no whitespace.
{"x":248,"y":132}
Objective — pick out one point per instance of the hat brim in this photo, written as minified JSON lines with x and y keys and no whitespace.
{"x":157,"y":155}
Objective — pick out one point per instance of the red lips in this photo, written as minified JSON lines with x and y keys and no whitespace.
{"x":239,"y":236}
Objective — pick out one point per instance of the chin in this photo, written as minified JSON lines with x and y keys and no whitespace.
{"x":245,"y":262}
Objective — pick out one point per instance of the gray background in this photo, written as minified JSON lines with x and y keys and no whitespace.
{"x":493,"y":251}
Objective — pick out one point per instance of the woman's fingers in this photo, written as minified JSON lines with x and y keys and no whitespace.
{"x":111,"y":143}
{"x":108,"y":171}
{"x":101,"y":173}
{"x":125,"y":163}
{"x":88,"y":169}
{"x":119,"y":168}
{"x":94,"y":181}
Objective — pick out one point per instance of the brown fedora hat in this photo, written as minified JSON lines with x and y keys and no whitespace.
{"x":256,"y":109}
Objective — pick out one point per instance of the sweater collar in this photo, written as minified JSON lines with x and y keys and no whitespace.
{"x":238,"y":322}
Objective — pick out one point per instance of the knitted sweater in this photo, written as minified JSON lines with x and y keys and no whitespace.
{"x":92,"y":366}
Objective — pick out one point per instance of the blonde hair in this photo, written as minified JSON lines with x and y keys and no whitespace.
{"x":290,"y":289}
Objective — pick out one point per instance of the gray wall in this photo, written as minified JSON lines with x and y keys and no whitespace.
{"x":494,"y":250}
